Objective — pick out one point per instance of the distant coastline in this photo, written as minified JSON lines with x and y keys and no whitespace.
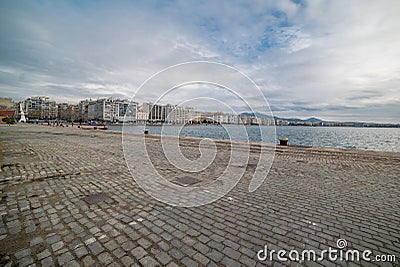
{"x":337,"y":124}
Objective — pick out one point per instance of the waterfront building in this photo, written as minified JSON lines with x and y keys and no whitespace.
{"x":127,"y":110}
{"x":233,"y":119}
{"x":206,"y":117}
{"x":225,"y":118}
{"x":246,"y":120}
{"x":41,"y":107}
{"x":83,"y":110}
{"x":281,"y":123}
{"x":146,"y":107}
{"x":141,"y":116}
{"x":102,"y":110}
{"x":155,"y":112}
{"x":175,"y":114}
{"x":112,"y":110}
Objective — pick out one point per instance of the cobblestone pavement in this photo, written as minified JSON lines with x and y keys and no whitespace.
{"x":67,"y":198}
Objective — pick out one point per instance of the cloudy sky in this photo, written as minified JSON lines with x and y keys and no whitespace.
{"x":337,"y":60}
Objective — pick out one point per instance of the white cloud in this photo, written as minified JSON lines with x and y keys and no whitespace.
{"x":314,"y":58}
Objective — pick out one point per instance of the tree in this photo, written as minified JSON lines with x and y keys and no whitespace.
{"x":8,"y":120}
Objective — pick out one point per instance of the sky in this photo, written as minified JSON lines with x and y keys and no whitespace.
{"x":336,"y":60}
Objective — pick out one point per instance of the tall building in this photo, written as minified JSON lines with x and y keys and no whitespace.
{"x":178,"y":114}
{"x":112,"y":110}
{"x":146,"y":107}
{"x":83,"y":110}
{"x":141,"y":115}
{"x":102,"y":110}
{"x":127,"y":111}
{"x":155,"y":111}
{"x":41,"y":107}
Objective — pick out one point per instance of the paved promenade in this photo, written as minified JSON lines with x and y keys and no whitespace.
{"x":68,"y":199}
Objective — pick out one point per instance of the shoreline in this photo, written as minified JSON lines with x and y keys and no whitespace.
{"x":326,"y":148}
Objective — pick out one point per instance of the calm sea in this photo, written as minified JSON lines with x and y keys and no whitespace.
{"x":381,"y":139}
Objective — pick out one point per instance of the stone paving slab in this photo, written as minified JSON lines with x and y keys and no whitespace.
{"x":312,"y":198}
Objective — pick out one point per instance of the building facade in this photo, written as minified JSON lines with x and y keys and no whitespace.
{"x":178,"y":114}
{"x":112,"y":110}
{"x":6,"y":104}
{"x":8,"y":109}
{"x":141,"y":115}
{"x":155,"y":112}
{"x":41,"y":107}
{"x":127,"y":111}
{"x":102,"y":110}
{"x":83,"y":110}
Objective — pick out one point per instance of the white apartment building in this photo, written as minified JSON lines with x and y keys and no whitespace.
{"x":127,"y":111}
{"x":112,"y":110}
{"x":141,"y":115}
{"x":178,"y":114}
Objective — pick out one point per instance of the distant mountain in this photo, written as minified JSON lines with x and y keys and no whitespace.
{"x":257,"y":114}
{"x":261,"y":115}
{"x":313,"y":119}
